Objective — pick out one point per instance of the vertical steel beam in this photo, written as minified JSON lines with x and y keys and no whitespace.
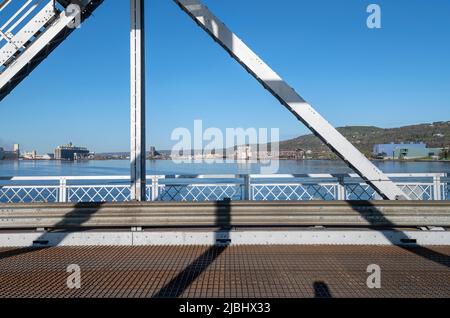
{"x":137,"y":154}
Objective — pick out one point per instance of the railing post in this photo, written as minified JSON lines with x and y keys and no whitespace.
{"x":155,"y":188}
{"x":341,"y":196}
{"x":247,"y":188}
{"x":437,"y":187}
{"x":62,"y":190}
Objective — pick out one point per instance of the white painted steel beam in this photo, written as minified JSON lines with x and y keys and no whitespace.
{"x":22,"y":53}
{"x":137,"y":154}
{"x":290,"y":99}
{"x":4,"y":4}
{"x":236,"y":237}
{"x":35,"y":48}
{"x":17,"y":42}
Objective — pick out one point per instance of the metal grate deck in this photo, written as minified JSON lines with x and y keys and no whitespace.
{"x":234,"y":271}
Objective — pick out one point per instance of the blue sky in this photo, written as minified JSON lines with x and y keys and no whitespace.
{"x":397,"y":75}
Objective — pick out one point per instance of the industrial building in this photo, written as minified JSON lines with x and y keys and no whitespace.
{"x":243,"y":153}
{"x":388,"y":150}
{"x":405,"y":151}
{"x":33,"y":155}
{"x":10,"y":155}
{"x":71,"y":153}
{"x":417,"y":153}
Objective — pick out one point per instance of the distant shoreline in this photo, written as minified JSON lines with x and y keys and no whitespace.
{"x":202,"y":161}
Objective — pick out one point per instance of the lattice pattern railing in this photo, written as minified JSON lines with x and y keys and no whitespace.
{"x":294,"y":191}
{"x":214,"y":188}
{"x":421,"y":192}
{"x":445,"y":191}
{"x":28,"y":194}
{"x":415,"y":191}
{"x":99,"y":193}
{"x":360,"y":191}
{"x":200,"y":192}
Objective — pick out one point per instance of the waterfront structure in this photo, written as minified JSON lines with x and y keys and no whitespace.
{"x":298,"y":154}
{"x":388,"y":150}
{"x":16,"y":149}
{"x":243,"y":153}
{"x":33,"y":155}
{"x":30,"y":155}
{"x":48,"y":156}
{"x":405,"y":151}
{"x":152,"y":152}
{"x":70,"y":152}
{"x":10,"y":155}
{"x":417,"y":153}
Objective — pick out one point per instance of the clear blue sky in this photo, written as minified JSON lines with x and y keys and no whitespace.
{"x":398,"y":75}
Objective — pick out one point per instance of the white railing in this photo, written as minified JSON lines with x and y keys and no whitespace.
{"x":196,"y":188}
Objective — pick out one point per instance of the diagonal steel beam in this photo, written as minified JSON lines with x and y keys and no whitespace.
{"x":40,"y":48}
{"x":290,"y":99}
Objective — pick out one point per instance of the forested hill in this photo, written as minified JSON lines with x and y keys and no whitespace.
{"x":365,"y":137}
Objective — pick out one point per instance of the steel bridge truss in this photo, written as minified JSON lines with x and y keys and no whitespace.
{"x":49,"y":24}
{"x":27,"y":45}
{"x":290,"y":99}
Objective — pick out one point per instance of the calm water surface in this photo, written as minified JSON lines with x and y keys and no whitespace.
{"x":165,"y":167}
